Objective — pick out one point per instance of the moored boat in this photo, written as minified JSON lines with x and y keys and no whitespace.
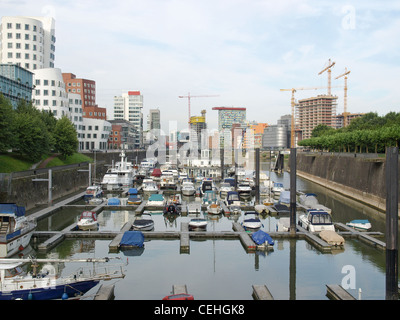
{"x":197,"y":224}
{"x":93,"y":192}
{"x":360,"y":224}
{"x":188,"y":188}
{"x":316,"y":221}
{"x":46,"y":284}
{"x":251,"y":221}
{"x":15,"y":229}
{"x":88,"y":221}
{"x":143,"y":223}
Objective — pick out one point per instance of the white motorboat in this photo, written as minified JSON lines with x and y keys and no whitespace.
{"x":224,"y":188}
{"x":251,"y":221}
{"x":119,"y":176}
{"x":188,"y":188}
{"x":143,"y":223}
{"x":214,"y":208}
{"x":207,"y":184}
{"x":93,"y":192}
{"x":316,"y":221}
{"x":260,"y":208}
{"x":232,"y":201}
{"x":168,"y":180}
{"x":15,"y":229}
{"x":46,"y":284}
{"x":244,"y":189}
{"x":197,"y":224}
{"x":149,"y":186}
{"x":310,"y":201}
{"x":360,"y":224}
{"x":88,"y":221}
{"x":277,"y":188}
{"x":156,"y":200}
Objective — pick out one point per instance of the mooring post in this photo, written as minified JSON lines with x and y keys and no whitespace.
{"x":257,"y":187}
{"x":292,"y":191}
{"x":222,"y":155}
{"x":392,"y":195}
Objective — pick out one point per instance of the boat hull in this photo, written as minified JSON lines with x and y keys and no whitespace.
{"x":50,"y":293}
{"x":16,"y":244}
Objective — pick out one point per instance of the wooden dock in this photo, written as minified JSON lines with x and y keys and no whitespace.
{"x":336,"y":292}
{"x":261,"y":292}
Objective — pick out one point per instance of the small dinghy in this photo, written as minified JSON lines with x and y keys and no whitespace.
{"x":362,"y":225}
{"x":197,"y":224}
{"x":331,"y":237}
{"x":143,"y":223}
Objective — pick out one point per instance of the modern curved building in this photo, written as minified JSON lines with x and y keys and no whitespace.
{"x":49,"y":93}
{"x":28,"y":42}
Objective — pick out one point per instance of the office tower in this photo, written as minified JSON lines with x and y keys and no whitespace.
{"x":129,"y":107}
{"x":15,"y":83}
{"x":153,"y":119}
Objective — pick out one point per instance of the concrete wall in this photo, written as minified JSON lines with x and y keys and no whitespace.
{"x":359,"y":178}
{"x":19,"y":187}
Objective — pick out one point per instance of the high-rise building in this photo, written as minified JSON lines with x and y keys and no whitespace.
{"x":227,"y":116}
{"x":154,"y":119}
{"x":28,"y":42}
{"x":87,"y":90}
{"x":313,"y":111}
{"x":129,"y":107}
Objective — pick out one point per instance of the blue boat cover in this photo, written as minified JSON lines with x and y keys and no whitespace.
{"x":261,"y":237}
{"x":360,"y":221}
{"x":12,"y":208}
{"x":132,"y":239}
{"x":132,"y":191}
{"x":114,"y":202}
{"x":156,"y":197}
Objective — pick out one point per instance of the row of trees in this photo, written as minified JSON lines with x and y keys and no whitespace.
{"x":369,"y":133}
{"x":34,"y":133}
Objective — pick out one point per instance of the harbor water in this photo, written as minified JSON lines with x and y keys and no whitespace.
{"x":222,"y":269}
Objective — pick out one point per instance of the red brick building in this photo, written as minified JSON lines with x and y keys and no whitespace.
{"x":87,"y":90}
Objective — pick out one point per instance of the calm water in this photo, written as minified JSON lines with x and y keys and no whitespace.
{"x":221,"y":269}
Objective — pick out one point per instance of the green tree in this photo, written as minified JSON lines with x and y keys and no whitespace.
{"x":7,"y":115}
{"x":321,"y":130}
{"x":32,"y":135}
{"x":65,"y":137}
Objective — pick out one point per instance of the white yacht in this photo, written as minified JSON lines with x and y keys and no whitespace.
{"x":149,"y":186}
{"x":188,"y":188}
{"x":119,"y":176}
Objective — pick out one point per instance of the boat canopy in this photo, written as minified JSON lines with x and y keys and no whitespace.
{"x":231,"y":181}
{"x":132,"y":239}
{"x":156,"y":172}
{"x":12,"y":208}
{"x":156,"y":197}
{"x":114,"y":202}
{"x":132,"y":191}
{"x":261,"y":237}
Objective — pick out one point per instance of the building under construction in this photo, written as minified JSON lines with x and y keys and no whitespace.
{"x":313,"y":111}
{"x":197,"y":124}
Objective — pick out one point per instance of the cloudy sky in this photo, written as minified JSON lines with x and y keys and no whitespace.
{"x":243,"y":51}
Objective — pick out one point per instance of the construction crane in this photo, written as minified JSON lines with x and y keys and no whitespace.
{"x":330,"y":65}
{"x":293,"y":105}
{"x":345,"y":96}
{"x":189,"y":97}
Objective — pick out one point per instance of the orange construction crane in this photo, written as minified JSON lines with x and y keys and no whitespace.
{"x":189,"y":96}
{"x":345,"y":96}
{"x":330,"y":65}
{"x":292,"y":142}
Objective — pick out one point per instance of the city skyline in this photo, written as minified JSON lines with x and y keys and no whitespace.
{"x":242,"y":51}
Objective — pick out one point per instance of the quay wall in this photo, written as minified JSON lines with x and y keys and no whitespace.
{"x":18,"y":187}
{"x":359,"y":178}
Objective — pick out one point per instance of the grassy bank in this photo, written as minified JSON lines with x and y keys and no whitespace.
{"x":11,"y":162}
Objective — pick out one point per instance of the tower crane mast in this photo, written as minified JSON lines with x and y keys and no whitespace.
{"x":189,"y":97}
{"x":345,"y":96}
{"x":328,"y":69}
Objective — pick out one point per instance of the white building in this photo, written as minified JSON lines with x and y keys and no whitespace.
{"x":49,"y":93}
{"x":129,"y":107}
{"x":28,"y":42}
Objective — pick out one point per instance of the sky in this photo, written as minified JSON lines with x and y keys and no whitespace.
{"x":237,"y":53}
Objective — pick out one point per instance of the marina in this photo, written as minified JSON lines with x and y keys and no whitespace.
{"x":204,"y":260}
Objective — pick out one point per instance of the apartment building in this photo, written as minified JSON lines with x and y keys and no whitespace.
{"x":313,"y":111}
